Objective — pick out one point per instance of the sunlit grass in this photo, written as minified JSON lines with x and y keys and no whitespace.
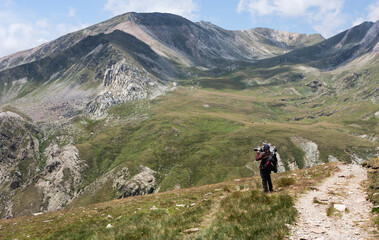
{"x":236,"y":209}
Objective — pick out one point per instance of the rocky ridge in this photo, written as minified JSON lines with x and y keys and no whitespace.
{"x":334,"y":52}
{"x":203,"y":41}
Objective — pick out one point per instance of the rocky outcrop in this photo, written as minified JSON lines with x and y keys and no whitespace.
{"x":292,"y":164}
{"x":312,"y":155}
{"x":281,"y":167}
{"x":19,"y":157}
{"x":122,"y":183}
{"x":122,"y":82}
{"x":61,"y":177}
{"x":28,"y":183}
{"x":140,"y":184}
{"x":121,"y":179}
{"x":332,"y":158}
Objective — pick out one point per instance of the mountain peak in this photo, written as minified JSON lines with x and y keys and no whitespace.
{"x":156,"y":19}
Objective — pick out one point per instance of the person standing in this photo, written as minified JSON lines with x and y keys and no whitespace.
{"x":265,"y":157}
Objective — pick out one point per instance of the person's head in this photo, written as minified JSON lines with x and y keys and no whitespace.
{"x":266,"y":147}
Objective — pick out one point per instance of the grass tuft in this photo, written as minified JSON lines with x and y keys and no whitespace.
{"x":316,"y":201}
{"x":285,"y":182}
{"x":373,"y":187}
{"x":252,"y":215}
{"x":330,"y":210}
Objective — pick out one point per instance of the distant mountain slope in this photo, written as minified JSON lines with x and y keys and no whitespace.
{"x":125,"y":58}
{"x":176,"y":38}
{"x":117,"y":62}
{"x":335,"y":51}
{"x":286,"y":40}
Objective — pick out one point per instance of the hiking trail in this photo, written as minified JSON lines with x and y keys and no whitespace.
{"x":344,"y":198}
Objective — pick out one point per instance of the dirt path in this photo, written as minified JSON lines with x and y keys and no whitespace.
{"x":343,"y":188}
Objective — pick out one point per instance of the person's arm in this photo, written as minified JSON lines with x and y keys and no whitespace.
{"x":259,"y":156}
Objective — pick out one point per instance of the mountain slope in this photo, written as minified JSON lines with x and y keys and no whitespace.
{"x":164,"y":47}
{"x":19,"y":157}
{"x":117,"y":62}
{"x":335,"y":51}
{"x":268,"y":42}
{"x":175,"y":38}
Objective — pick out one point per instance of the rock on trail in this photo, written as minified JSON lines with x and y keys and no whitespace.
{"x":343,"y":190}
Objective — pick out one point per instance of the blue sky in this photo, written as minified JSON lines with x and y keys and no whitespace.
{"x":26,"y":23}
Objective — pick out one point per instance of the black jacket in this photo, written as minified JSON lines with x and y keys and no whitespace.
{"x":264,"y":158}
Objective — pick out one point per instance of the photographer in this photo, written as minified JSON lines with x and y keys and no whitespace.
{"x":267,"y":165}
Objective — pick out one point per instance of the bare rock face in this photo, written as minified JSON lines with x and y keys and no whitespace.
{"x":25,"y":186}
{"x":356,"y":159}
{"x":61,"y":177}
{"x":292,"y":165}
{"x":281,"y":167}
{"x":140,"y":184}
{"x":121,"y":179}
{"x":19,"y":157}
{"x":312,"y":155}
{"x":124,"y":81}
{"x":332,"y":158}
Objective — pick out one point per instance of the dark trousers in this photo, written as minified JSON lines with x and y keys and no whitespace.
{"x":266,"y":180}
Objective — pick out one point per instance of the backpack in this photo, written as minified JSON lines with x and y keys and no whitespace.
{"x":271,"y":163}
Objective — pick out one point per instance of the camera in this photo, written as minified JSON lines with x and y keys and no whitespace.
{"x":261,"y":149}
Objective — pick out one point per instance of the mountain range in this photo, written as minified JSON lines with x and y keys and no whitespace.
{"x":148,"y":102}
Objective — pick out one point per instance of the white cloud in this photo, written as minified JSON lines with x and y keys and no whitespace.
{"x":71,"y":12}
{"x":43,"y":23}
{"x":372,"y":15}
{"x":6,"y":3}
{"x":14,"y":35}
{"x":18,"y":34}
{"x":325,"y":16}
{"x":185,"y":8}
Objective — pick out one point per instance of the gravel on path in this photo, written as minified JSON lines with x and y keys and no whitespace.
{"x":349,"y":211}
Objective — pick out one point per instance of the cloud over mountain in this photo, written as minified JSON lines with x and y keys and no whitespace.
{"x":185,"y":8}
{"x":319,"y":13}
{"x":372,"y":14}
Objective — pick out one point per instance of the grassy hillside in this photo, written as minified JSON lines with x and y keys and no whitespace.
{"x":234,"y":209}
{"x":373,"y":187}
{"x":204,"y":131}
